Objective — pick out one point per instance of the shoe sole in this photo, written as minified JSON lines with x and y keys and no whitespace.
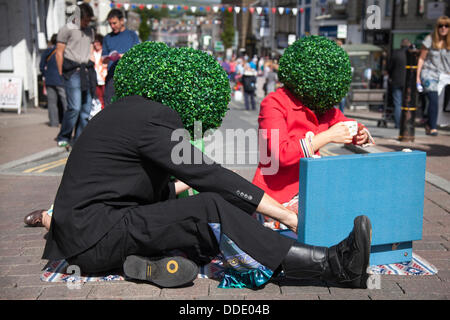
{"x":363,"y":235}
{"x":167,"y":272}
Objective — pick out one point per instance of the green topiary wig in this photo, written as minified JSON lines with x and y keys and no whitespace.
{"x":317,"y":71}
{"x":190,"y":81}
{"x":134,"y":73}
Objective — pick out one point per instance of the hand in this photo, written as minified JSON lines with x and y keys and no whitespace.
{"x":291,"y":221}
{"x":180,"y":187}
{"x":339,"y":133}
{"x":273,"y":209}
{"x":362,"y":136}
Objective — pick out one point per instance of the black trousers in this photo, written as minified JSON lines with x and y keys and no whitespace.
{"x":153,"y":230}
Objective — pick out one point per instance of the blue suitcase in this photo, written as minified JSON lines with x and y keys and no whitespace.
{"x":386,"y":187}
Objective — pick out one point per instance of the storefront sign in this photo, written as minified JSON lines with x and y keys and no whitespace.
{"x":10,"y":93}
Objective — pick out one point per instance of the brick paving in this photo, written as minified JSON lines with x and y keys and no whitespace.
{"x":21,"y":248}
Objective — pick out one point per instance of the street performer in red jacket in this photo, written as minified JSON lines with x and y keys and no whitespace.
{"x":299,"y":118}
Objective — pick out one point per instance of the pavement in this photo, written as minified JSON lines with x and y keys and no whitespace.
{"x":26,"y":138}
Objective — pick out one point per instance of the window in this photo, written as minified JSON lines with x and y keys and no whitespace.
{"x":404,"y":7}
{"x":420,"y":7}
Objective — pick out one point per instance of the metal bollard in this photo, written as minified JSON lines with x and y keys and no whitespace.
{"x":410,"y":98}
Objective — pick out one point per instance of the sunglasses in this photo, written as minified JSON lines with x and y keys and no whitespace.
{"x":443,"y":26}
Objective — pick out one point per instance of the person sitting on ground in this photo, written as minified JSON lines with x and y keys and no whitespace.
{"x":316,"y":74}
{"x":121,"y":210}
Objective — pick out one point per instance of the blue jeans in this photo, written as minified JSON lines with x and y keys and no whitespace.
{"x":397,"y":97}
{"x":78,"y":109}
{"x":342,"y":104}
{"x":249,"y":99}
{"x":433,"y":101}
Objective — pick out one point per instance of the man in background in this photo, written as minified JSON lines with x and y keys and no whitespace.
{"x":73,"y":52}
{"x":397,"y":74}
{"x":115,"y":44}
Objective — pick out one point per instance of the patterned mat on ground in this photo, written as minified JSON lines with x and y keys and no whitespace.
{"x":57,"y":271}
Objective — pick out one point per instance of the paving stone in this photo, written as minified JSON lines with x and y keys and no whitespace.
{"x":424,"y":286}
{"x":25,"y":269}
{"x":30,"y":293}
{"x":122,"y":290}
{"x":413,"y":296}
{"x":63,"y":292}
{"x":199,"y":288}
{"x":301,"y":287}
{"x":348,"y":296}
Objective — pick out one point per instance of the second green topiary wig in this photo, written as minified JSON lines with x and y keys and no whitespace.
{"x":317,"y":71}
{"x":190,"y":81}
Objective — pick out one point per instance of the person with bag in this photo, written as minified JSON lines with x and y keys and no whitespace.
{"x":73,"y":58}
{"x":54,"y":84}
{"x":434,"y":60}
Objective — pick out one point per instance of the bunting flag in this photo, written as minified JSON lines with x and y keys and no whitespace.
{"x":215,"y":8}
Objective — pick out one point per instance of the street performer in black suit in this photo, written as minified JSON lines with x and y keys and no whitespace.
{"x":116,"y":205}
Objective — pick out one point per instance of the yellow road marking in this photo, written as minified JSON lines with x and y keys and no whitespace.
{"x":46,"y":166}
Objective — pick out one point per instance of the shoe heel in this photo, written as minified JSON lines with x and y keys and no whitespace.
{"x":135,"y":267}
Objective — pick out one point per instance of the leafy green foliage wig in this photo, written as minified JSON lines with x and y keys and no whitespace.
{"x":189,"y":81}
{"x":317,"y":71}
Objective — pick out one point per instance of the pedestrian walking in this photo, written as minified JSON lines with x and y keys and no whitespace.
{"x":101,"y":68}
{"x":434,"y":60}
{"x":73,"y":53}
{"x":249,"y":85}
{"x":397,"y":75}
{"x":115,"y":44}
{"x":270,"y":71}
{"x":54,"y":85}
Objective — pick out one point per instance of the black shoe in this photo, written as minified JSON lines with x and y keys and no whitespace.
{"x":345,"y":263}
{"x":166,"y":272}
{"x":350,"y":258}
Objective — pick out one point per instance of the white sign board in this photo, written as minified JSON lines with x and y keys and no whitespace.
{"x":435,"y":10}
{"x":11,"y":93}
{"x":342,"y":31}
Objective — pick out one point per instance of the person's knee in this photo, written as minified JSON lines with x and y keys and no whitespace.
{"x":211,"y":197}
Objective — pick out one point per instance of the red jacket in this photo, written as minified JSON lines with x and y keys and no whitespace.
{"x":281,"y":110}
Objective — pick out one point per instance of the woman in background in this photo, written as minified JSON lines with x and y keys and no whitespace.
{"x":434,"y":59}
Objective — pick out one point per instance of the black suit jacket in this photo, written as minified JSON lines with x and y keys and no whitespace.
{"x":397,"y":68}
{"x":123,"y":159}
